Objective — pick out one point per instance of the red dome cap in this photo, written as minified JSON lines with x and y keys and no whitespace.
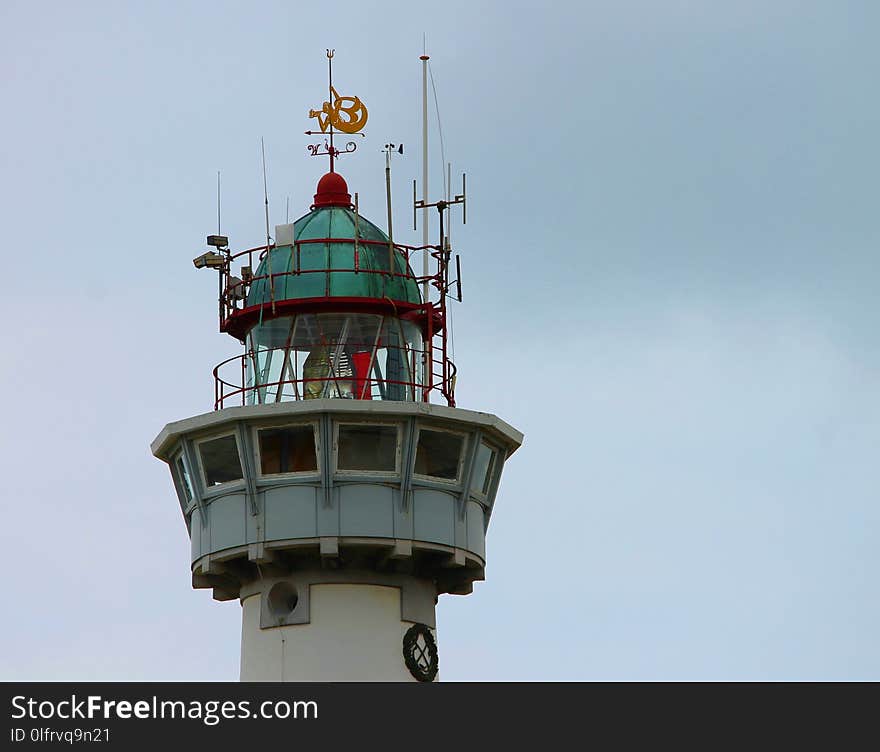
{"x":332,"y":191}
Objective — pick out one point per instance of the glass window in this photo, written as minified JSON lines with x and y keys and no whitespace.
{"x":332,"y":356}
{"x":184,"y":479}
{"x":220,"y":460}
{"x":287,"y":450}
{"x":438,"y":454}
{"x":484,"y":466}
{"x":367,"y":447}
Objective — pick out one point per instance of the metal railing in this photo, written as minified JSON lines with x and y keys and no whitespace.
{"x":435,"y":371}
{"x":241,"y":381}
{"x":236,"y":290}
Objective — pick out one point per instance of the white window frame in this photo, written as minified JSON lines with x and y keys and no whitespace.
{"x":461,"y":455}
{"x":316,"y":436}
{"x":378,"y":473}
{"x":197,"y":443}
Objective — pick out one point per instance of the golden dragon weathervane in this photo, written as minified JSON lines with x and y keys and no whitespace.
{"x":341,"y":113}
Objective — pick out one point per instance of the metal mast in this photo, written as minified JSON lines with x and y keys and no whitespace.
{"x":425,"y":269}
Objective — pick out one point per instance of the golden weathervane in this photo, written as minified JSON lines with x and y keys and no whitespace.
{"x":345,"y":114}
{"x":342,"y":114}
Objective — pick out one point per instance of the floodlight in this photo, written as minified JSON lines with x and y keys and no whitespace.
{"x":210,"y":260}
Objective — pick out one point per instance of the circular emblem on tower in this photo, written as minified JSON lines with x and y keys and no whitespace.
{"x":420,"y":652}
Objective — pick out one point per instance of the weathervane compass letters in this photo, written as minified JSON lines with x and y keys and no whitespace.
{"x":341,"y":113}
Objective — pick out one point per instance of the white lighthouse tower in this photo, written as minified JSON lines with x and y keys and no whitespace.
{"x":326,"y":491}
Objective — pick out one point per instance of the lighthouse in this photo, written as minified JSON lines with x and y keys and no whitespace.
{"x":336,"y":490}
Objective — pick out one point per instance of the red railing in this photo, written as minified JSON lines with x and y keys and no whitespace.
{"x":235,"y":290}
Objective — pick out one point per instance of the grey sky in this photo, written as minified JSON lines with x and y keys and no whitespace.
{"x":669,"y":277}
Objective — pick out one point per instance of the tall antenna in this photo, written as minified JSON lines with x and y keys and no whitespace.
{"x":388,"y":149}
{"x":218,"y":203}
{"x":449,"y":198}
{"x":446,"y":188}
{"x":357,"y":233}
{"x":330,"y":79}
{"x":425,"y":270}
{"x":268,"y":239}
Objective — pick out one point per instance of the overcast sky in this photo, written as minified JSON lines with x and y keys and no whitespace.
{"x":670,"y":276}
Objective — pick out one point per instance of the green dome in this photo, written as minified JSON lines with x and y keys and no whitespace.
{"x":312,"y":282}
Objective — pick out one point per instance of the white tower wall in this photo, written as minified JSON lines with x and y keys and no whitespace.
{"x":355,"y":634}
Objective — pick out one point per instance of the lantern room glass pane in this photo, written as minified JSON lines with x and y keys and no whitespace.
{"x":333,"y":356}
{"x":220,"y":460}
{"x":484,"y":466}
{"x":287,"y":450}
{"x":438,"y":454}
{"x":365,"y":447}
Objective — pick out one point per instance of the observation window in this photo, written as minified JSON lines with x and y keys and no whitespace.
{"x":438,"y":454}
{"x":184,"y":479}
{"x":367,"y":447}
{"x":220,"y":460}
{"x":290,"y":449}
{"x":484,"y":469}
